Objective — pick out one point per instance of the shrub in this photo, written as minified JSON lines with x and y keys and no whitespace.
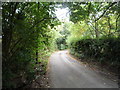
{"x":104,"y":50}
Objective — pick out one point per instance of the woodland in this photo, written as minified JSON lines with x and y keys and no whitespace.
{"x":31,"y":32}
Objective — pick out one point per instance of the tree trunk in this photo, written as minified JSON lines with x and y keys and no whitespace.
{"x":109,"y":26}
{"x":96,"y":29}
{"x":36,"y":56}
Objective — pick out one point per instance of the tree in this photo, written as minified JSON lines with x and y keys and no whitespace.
{"x":64,"y":33}
{"x":25,"y":39}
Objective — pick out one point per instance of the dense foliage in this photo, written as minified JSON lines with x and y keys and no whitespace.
{"x":63,"y":32}
{"x":104,"y":50}
{"x":95,"y":33}
{"x":29,"y":36}
{"x":27,"y":41}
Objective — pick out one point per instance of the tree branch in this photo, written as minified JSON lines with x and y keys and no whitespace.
{"x":40,"y":21}
{"x":15,"y":45}
{"x":106,"y":10}
{"x":117,"y":21}
{"x":21,"y":39}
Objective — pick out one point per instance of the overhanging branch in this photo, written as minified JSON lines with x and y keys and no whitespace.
{"x":21,"y":39}
{"x":40,"y":22}
{"x":106,"y":10}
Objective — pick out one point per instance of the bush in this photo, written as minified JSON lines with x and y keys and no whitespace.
{"x":104,"y":50}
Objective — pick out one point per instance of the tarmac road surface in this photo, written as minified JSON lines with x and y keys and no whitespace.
{"x":66,"y":72}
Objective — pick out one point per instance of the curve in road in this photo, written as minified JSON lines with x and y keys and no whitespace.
{"x":68,"y":73}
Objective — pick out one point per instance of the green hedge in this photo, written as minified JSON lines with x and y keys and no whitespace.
{"x":100,"y":50}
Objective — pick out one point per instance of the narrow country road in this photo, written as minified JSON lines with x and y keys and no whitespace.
{"x":68,"y":73}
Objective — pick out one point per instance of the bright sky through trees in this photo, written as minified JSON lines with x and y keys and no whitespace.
{"x":62,"y":14}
